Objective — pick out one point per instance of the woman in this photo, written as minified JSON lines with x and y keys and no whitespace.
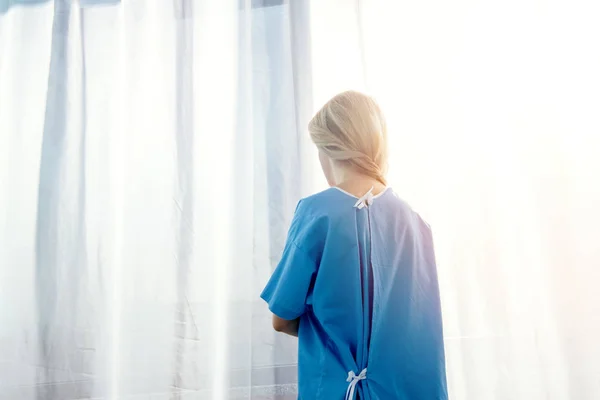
{"x":357,"y":282}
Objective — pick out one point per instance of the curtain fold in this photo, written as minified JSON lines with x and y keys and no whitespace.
{"x":152,"y":154}
{"x":130,"y":220}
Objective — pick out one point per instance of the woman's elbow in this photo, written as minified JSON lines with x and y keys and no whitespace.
{"x":279,"y":324}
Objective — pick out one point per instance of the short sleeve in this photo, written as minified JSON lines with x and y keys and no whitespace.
{"x":288,"y":288}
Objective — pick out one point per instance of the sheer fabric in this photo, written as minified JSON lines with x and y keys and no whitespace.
{"x":152,"y":153}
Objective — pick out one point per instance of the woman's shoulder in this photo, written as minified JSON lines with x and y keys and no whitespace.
{"x":335,"y":203}
{"x":327,"y":203}
{"x":334,"y":200}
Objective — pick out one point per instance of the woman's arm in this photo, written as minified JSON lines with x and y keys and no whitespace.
{"x":285,"y":326}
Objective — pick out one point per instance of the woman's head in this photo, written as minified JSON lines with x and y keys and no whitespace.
{"x":350,"y":133}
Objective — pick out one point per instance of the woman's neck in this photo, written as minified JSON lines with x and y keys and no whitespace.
{"x":358,"y":184}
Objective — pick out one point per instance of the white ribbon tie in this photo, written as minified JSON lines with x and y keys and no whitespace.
{"x":353,"y":380}
{"x":366,"y":200}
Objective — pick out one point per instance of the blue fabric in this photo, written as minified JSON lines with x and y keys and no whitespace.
{"x":339,"y":265}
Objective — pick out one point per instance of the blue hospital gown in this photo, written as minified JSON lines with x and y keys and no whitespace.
{"x":361,"y":276}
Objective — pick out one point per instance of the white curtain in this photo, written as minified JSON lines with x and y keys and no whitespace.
{"x":152,"y":152}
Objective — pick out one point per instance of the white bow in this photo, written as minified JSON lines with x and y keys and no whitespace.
{"x":354,"y":379}
{"x":365,"y":200}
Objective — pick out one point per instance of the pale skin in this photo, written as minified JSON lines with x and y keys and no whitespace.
{"x":350,"y":180}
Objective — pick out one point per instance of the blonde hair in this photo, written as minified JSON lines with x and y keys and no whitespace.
{"x":351,"y":128}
